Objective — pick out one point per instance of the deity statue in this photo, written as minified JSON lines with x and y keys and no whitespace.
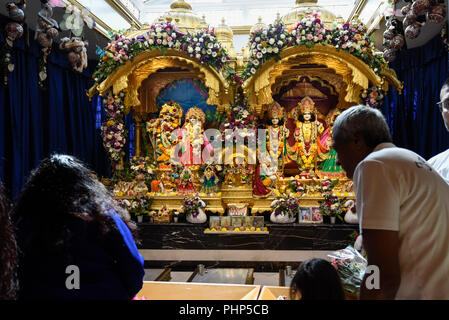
{"x":193,"y":138}
{"x":186,"y":181}
{"x":209,"y":180}
{"x":277,"y":134}
{"x":307,"y":147}
{"x":329,"y":168}
{"x":161,"y":130}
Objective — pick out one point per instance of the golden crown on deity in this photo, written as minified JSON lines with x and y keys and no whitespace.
{"x":307,"y":105}
{"x":172,"y":108}
{"x":197,"y":113}
{"x":276,"y":111}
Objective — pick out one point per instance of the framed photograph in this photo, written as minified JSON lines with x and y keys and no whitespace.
{"x":259,"y":222}
{"x":225,"y":222}
{"x":248,"y":222}
{"x":236,"y":222}
{"x":214,"y":222}
{"x":238,"y":209}
{"x":317,"y":217}
{"x":305,"y":215}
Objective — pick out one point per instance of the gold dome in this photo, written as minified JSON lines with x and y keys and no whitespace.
{"x":225,"y":35}
{"x":258,"y":25}
{"x":304,"y":8}
{"x":181,"y":4}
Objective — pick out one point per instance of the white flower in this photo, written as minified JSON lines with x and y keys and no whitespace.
{"x":197,"y":49}
{"x":253,"y":71}
{"x":151,"y":41}
{"x":190,"y":49}
{"x":259,"y":47}
{"x":195,"y":39}
{"x":264,"y":50}
{"x":158,"y":29}
{"x":254,"y":51}
{"x":259,"y":55}
{"x":280,"y":43}
{"x":210,"y":45}
{"x":223,"y":59}
{"x":269,"y":49}
{"x":298,"y":41}
{"x":315,"y":38}
{"x":265,"y":32}
{"x":164,"y":42}
{"x":253,"y":46}
{"x":294,"y":32}
{"x":271,"y":41}
{"x":216,"y":46}
{"x":282,"y":36}
{"x":209,"y":51}
{"x":308,"y":23}
{"x":201,"y":40}
{"x":198,"y":56}
{"x":173,"y":35}
{"x":214,"y":54}
{"x":203,"y":51}
{"x":275,"y":50}
{"x":256,"y":62}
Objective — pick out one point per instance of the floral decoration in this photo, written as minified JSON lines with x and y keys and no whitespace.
{"x":331,"y":206}
{"x":297,"y":187}
{"x":136,"y":206}
{"x":113,"y":129}
{"x":162,"y":35}
{"x":191,"y":205}
{"x":285,"y":205}
{"x":353,"y":38}
{"x":373,"y":97}
{"x":142,"y":165}
{"x":310,"y":30}
{"x":266,"y":44}
{"x":204,"y":46}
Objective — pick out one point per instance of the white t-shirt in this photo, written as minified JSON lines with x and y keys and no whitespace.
{"x":397,"y":190}
{"x":441,"y":164}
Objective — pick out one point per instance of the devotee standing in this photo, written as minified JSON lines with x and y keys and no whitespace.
{"x":75,"y":241}
{"x":440,"y":162}
{"x":403,"y":208}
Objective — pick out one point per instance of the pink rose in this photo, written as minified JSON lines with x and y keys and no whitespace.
{"x":344,"y":46}
{"x":346,"y":38}
{"x":169,"y":39}
{"x":309,"y":37}
{"x":320,"y":37}
{"x":159,"y":41}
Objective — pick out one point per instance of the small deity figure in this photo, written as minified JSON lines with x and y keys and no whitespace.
{"x":193,"y":138}
{"x":308,"y":145}
{"x":229,"y":175}
{"x":186,"y":181}
{"x":140,"y":187}
{"x":209,"y":180}
{"x":161,"y":130}
{"x":167,"y":184}
{"x":277,"y":134}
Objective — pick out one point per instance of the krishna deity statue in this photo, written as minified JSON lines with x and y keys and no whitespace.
{"x":161,"y":131}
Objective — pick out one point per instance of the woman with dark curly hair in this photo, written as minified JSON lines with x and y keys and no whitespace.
{"x":8,"y":252}
{"x":70,"y":230}
{"x":316,"y":279}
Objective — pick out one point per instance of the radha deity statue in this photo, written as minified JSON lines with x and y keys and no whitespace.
{"x":161,"y":130}
{"x":186,"y":181}
{"x":193,"y":138}
{"x":209,"y":180}
{"x":307,"y":147}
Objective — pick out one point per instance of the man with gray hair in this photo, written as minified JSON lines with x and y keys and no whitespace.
{"x":403,"y":208}
{"x":440,"y":162}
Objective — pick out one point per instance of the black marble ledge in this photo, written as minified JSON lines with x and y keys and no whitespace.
{"x":281,"y":237}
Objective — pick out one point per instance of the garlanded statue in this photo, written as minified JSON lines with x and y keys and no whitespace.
{"x":161,"y":130}
{"x":194,"y":139}
{"x":277,"y":134}
{"x":186,"y":181}
{"x":329,"y":168}
{"x":209,"y":180}
{"x":307,"y":147}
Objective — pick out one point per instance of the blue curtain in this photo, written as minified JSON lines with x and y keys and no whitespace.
{"x":414,"y":119}
{"x":35,"y":123}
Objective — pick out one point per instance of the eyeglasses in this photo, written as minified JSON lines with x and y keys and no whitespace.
{"x":443,"y":105}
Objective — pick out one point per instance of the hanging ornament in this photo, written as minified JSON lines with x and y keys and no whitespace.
{"x":13,"y":31}
{"x":74,"y":20}
{"x":47,"y":30}
{"x":393,"y":38}
{"x":77,"y":52}
{"x":436,"y":14}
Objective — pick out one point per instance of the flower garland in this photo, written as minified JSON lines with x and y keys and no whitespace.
{"x":266,"y":44}
{"x":285,"y":205}
{"x":373,"y":97}
{"x":113,"y":129}
{"x":352,"y":37}
{"x":137,"y":206}
{"x":204,"y":46}
{"x":162,"y":35}
{"x":310,"y":30}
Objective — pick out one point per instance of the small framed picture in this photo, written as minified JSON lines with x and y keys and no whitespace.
{"x":237,"y":222}
{"x":317,"y":217}
{"x":248,"y":222}
{"x":305,"y":215}
{"x":225,"y":222}
{"x":214,"y":222}
{"x":258,"y":222}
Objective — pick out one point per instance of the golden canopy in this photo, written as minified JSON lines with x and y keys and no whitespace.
{"x":348,"y":74}
{"x":129,"y":78}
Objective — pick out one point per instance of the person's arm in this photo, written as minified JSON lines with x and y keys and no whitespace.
{"x":382,"y":248}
